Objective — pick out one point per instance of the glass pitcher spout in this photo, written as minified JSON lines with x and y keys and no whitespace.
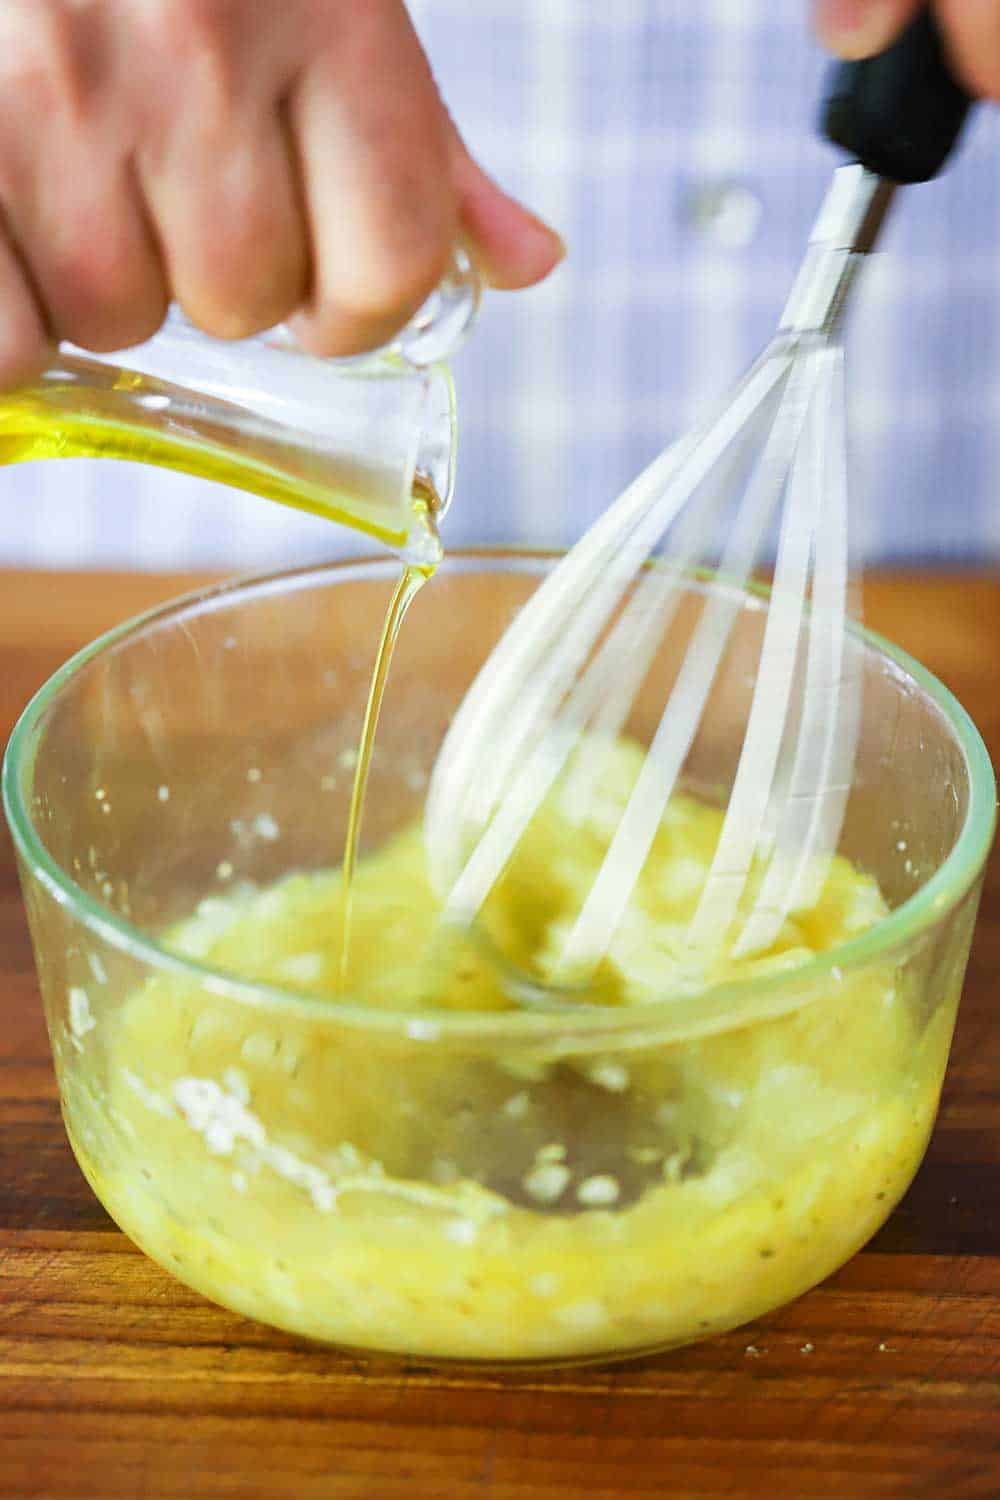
{"x":368,"y":442}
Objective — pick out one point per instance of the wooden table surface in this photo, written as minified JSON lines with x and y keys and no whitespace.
{"x":116,"y":1381}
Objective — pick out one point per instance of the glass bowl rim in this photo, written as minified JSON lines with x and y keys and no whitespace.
{"x":721,"y":1007}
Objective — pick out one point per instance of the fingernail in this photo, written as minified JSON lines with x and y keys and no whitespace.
{"x":514,"y":246}
{"x":857,"y":28}
{"x":553,"y":239}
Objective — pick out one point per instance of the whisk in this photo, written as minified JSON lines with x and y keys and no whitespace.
{"x":559,"y":686}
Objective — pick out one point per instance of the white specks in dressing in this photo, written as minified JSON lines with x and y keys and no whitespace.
{"x":599,"y":1191}
{"x":546,"y":1182}
{"x":81,"y":1018}
{"x":609,"y":1075}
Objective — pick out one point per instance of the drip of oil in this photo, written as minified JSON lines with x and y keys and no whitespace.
{"x":411,"y":580}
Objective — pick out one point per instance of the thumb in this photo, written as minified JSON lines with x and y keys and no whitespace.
{"x":860,"y":28}
{"x":511,"y":245}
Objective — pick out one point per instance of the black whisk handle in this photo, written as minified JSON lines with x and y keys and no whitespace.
{"x":901,"y":113}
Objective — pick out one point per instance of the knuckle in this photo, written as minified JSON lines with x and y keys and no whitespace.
{"x":119,"y":324}
{"x":249,"y":279}
{"x":40,"y":59}
{"x":395,"y":280}
{"x":328,"y":334}
{"x":235,"y":307}
{"x":237,"y":316}
{"x":267,"y":303}
{"x":107,"y":294}
{"x":355,"y":312}
{"x":194,"y":39}
{"x":89,"y":260}
{"x":412,"y":226}
{"x":190,"y":26}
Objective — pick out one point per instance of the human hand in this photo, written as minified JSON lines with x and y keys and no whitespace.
{"x":970,"y":29}
{"x":253,"y":161}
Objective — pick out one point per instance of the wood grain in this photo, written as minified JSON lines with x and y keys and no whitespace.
{"x":115,"y":1381}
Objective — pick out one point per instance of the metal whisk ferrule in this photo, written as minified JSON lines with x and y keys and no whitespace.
{"x":845,"y":231}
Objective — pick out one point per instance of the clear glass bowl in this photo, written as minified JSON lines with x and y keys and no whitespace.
{"x":282,"y":1153}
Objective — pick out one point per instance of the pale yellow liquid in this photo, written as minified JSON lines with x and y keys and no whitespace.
{"x":379,"y":1188}
{"x":410,"y":582}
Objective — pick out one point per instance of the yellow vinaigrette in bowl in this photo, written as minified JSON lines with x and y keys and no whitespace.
{"x":526,"y":1206}
{"x":445,"y":1152}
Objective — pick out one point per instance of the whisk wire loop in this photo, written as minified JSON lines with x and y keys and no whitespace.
{"x":560,"y":686}
{"x":678,"y":726}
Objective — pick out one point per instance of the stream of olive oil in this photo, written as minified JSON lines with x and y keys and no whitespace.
{"x":411,"y":580}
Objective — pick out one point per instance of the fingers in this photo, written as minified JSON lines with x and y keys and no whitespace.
{"x":93,"y":260}
{"x":170,"y":150}
{"x":221,"y":193}
{"x":374,"y":155}
{"x":860,"y":28}
{"x":971,"y":31}
{"x":142,"y":158}
{"x":972,"y":34}
{"x":73,"y":218}
{"x":350,"y":213}
{"x":214,"y":160}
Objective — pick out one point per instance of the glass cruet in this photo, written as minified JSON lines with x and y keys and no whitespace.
{"x":368,"y":442}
